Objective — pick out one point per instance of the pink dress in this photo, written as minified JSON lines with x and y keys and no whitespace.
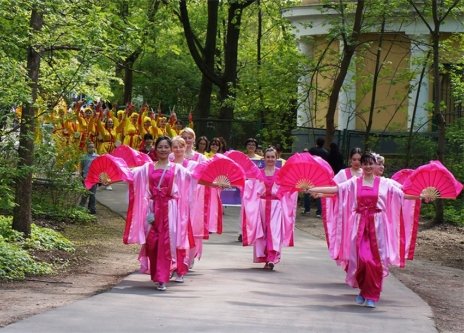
{"x":370,"y":232}
{"x":164,"y":193}
{"x":272,"y":227}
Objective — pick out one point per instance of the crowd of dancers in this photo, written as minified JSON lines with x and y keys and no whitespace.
{"x":370,"y":223}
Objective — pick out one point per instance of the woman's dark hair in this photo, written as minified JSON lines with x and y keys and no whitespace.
{"x":223,"y":147}
{"x":161,"y":138}
{"x":355,"y":150}
{"x":253,"y":140}
{"x":203,"y":138}
{"x":368,"y":157}
{"x":148,"y":136}
{"x":215,"y":140}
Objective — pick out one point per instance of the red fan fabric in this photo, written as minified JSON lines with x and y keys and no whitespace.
{"x":436,"y":175}
{"x":306,"y":168}
{"x":220,"y":166}
{"x":401,"y":175}
{"x":108,"y":167}
{"x":132,"y":157}
{"x":251,"y":169}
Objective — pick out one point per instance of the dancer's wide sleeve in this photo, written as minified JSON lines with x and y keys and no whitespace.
{"x":139,"y":197}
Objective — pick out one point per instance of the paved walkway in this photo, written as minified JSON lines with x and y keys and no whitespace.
{"x":226,"y":292}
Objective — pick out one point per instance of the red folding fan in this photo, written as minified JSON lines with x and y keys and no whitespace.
{"x":107,"y":169}
{"x":401,"y":175}
{"x":251,"y":169}
{"x":132,"y":157}
{"x":433,"y":180}
{"x":302,"y":171}
{"x":220,"y":171}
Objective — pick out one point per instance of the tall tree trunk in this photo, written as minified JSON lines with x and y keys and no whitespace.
{"x":129,"y":75}
{"x":229,"y":78}
{"x":23,"y":195}
{"x":437,"y":112}
{"x":374,"y":87}
{"x":203,"y":107}
{"x":348,"y":52}
{"x":227,"y":81}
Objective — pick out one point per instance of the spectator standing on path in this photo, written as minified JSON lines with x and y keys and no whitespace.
{"x":320,"y":151}
{"x":84,"y":167}
{"x":335,"y":158}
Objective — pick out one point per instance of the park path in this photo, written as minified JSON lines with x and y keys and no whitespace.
{"x":226,"y":292}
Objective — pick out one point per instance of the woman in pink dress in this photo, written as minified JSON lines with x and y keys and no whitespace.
{"x":370,"y":230}
{"x":329,"y":202}
{"x":188,"y":135}
{"x":354,"y":170}
{"x":158,"y":214}
{"x":197,"y":231}
{"x":276,"y":219}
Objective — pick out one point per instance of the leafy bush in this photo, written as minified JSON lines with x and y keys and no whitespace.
{"x":47,"y":239}
{"x":16,"y":259}
{"x":16,"y":263}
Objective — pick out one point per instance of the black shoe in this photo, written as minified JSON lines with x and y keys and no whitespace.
{"x":239,"y":238}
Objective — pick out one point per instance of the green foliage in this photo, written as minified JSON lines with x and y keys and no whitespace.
{"x":16,"y":253}
{"x":47,"y":239}
{"x":16,"y":263}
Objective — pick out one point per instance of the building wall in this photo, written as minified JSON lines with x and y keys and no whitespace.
{"x":391,"y":101}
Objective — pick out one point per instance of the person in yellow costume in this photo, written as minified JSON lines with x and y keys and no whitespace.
{"x":131,"y":132}
{"x":86,"y":130}
{"x":64,"y":126}
{"x":147,"y":123}
{"x":107,"y":135}
{"x":120,"y":126}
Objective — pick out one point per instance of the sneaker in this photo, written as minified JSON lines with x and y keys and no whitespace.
{"x":359,"y":300}
{"x":304,"y":212}
{"x":179,"y":279}
{"x":318,"y":215}
{"x":161,"y":286}
{"x":109,"y":188}
{"x":239,"y":238}
{"x":370,"y":303}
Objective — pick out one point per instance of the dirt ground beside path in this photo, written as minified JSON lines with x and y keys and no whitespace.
{"x":101,"y":261}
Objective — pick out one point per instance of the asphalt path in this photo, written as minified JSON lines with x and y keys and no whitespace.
{"x":227,"y":292}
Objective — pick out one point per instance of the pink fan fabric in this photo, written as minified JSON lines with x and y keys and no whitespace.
{"x":132,"y":157}
{"x":220,"y":165}
{"x":250,"y":168}
{"x":115,"y":168}
{"x":401,"y":175}
{"x":433,"y":174}
{"x":304,"y":166}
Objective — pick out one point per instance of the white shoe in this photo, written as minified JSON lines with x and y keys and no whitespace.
{"x":109,"y":188}
{"x":179,"y":279}
{"x":161,"y":287}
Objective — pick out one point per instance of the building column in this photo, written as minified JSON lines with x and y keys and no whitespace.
{"x":304,"y":118}
{"x":347,"y":97}
{"x":419,"y":91}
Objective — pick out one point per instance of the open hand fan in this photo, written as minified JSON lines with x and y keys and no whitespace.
{"x":220,"y":171}
{"x":251,"y":169}
{"x":303,"y":171}
{"x":401,"y":175}
{"x":132,"y":157}
{"x":107,"y":169}
{"x":433,"y":180}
